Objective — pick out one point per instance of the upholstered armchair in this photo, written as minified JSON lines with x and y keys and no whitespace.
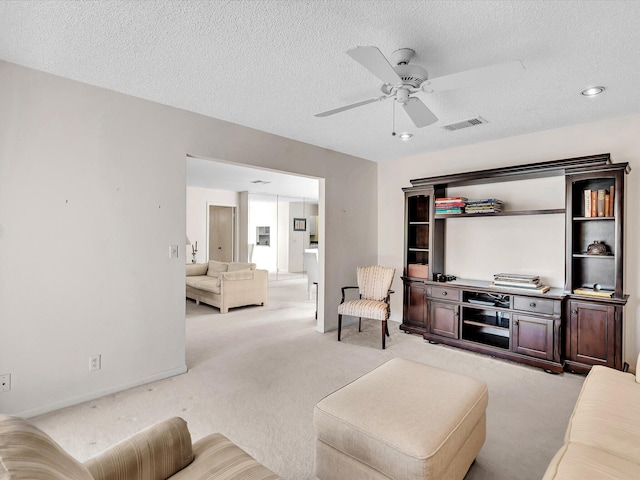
{"x":374,"y":286}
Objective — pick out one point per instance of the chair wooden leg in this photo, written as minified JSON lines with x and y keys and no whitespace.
{"x":384,"y":329}
{"x":339,"y":326}
{"x":360,"y":324}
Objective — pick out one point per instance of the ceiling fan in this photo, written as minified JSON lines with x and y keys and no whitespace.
{"x":402,"y":81}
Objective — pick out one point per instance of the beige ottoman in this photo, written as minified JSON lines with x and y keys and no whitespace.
{"x":403,"y":420}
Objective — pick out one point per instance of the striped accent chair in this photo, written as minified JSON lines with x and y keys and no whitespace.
{"x":374,"y":286}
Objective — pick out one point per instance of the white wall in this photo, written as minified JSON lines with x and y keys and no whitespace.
{"x":198,"y":201}
{"x":92,"y":193}
{"x":617,"y":136}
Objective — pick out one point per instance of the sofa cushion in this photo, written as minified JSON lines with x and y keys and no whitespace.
{"x":577,"y":462}
{"x":195,"y":269}
{"x":235,"y":266}
{"x":216,"y":457}
{"x":28,"y":452}
{"x":205,"y":283}
{"x":607,"y":413}
{"x":245,"y":274}
{"x":215,"y":267}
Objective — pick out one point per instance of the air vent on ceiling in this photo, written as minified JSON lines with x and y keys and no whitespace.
{"x":260,"y":182}
{"x":470,"y":122}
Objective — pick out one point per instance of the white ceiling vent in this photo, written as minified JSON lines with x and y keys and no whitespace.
{"x":470,"y":122}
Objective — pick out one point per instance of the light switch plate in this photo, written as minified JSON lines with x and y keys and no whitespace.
{"x":173,"y":251}
{"x":5,"y":382}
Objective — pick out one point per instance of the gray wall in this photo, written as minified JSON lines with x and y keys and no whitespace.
{"x":92,"y":193}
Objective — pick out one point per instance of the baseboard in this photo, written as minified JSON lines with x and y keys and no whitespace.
{"x":33,"y":412}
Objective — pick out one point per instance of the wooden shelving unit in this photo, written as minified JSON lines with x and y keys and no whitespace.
{"x":553,"y":331}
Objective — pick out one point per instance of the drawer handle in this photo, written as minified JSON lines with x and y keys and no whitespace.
{"x":444,"y":293}
{"x":532,"y":304}
{"x":574,"y":312}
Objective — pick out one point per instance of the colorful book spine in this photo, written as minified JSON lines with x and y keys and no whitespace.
{"x":611,"y":199}
{"x":594,"y":203}
{"x":601,"y":194}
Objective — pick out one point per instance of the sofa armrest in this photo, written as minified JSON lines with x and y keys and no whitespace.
{"x":155,"y":453}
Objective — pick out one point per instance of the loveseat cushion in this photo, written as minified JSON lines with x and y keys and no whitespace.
{"x":245,"y":274}
{"x":29,"y":453}
{"x":195,"y":269}
{"x":575,"y":461}
{"x":205,"y":283}
{"x":155,"y":453}
{"x":217,"y":458}
{"x":607,"y":413}
{"x":215,"y":267}
{"x":235,"y":266}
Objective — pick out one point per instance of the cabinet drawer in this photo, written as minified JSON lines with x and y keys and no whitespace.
{"x":536,"y":305}
{"x":445,"y":293}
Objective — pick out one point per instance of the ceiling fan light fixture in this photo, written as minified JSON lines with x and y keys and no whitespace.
{"x":590,"y":92}
{"x":404,"y":136}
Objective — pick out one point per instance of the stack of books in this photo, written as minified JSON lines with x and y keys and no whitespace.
{"x":449,"y":205}
{"x":518,"y":281}
{"x":487,"y":205}
{"x":593,"y":292}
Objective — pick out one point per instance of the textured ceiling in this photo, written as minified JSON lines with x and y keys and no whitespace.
{"x":272,"y":65}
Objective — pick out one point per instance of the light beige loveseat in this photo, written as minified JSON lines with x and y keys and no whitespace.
{"x":159,"y":452}
{"x":603,"y":437}
{"x":226,"y":284}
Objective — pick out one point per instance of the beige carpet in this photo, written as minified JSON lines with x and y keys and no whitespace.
{"x":256,"y":373}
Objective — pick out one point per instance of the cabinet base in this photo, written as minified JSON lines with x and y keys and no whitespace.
{"x":412,"y":329}
{"x":547,"y":365}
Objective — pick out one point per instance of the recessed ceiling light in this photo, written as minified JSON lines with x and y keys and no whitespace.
{"x":590,"y":92}
{"x":405,"y":136}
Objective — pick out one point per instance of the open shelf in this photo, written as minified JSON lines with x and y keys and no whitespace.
{"x":508,"y":213}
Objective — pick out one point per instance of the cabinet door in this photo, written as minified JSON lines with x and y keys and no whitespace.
{"x":592,"y":333}
{"x":444,"y":319}
{"x":415,"y":305}
{"x":533,"y":336}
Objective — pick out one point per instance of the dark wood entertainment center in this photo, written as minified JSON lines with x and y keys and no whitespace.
{"x":556,"y":330}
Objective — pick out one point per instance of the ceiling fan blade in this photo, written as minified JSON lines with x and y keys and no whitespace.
{"x":419,"y":113}
{"x":500,"y":72}
{"x":349,"y":107}
{"x":372,"y":59}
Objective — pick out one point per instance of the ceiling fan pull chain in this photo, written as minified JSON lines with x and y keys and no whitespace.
{"x":393,"y":119}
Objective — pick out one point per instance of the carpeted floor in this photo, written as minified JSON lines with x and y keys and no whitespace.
{"x":255,"y":375}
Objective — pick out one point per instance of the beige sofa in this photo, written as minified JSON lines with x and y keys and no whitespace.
{"x":603,"y":437}
{"x":160,"y":452}
{"x":226,"y":284}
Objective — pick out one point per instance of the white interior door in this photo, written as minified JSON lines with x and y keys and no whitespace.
{"x":221,"y":228}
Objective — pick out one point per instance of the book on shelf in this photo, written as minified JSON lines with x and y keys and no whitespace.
{"x":516,"y":277}
{"x":451,"y":199}
{"x":611,"y":195}
{"x":594,"y":293}
{"x":594,"y":203}
{"x":601,"y":194}
{"x":539,"y":289}
{"x":527,"y":285}
{"x":587,"y":203}
{"x":449,"y":210}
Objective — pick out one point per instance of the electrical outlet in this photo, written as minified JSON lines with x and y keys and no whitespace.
{"x":5,"y":382}
{"x":173,"y":251}
{"x":95,"y":362}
